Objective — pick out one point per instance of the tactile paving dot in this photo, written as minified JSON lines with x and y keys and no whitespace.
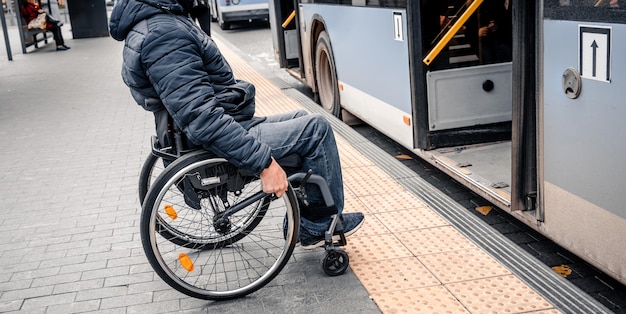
{"x":372,"y":226}
{"x":423,"y":300}
{"x":350,"y":160}
{"x":375,"y":185}
{"x":349,"y":156}
{"x":503,"y":294}
{"x":352,"y":203}
{"x":434,"y":240}
{"x":463,"y":265}
{"x":396,"y":274}
{"x":392,"y":201}
{"x":375,"y":248}
{"x":411,"y":219}
{"x":360,"y":175}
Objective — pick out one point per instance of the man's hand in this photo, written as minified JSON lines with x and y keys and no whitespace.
{"x":274,"y":179}
{"x":487,"y":30}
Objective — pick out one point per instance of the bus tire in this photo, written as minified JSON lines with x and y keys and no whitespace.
{"x":220,"y":20}
{"x":224,"y":25}
{"x":326,"y":76}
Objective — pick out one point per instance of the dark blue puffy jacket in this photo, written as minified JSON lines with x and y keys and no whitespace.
{"x":168,"y":58}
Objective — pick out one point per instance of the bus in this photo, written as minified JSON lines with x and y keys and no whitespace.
{"x":225,"y":12}
{"x":520,"y":101}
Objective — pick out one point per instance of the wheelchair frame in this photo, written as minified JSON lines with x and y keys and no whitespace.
{"x":215,"y":182}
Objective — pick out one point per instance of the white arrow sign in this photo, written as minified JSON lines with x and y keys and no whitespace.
{"x":595,"y":52}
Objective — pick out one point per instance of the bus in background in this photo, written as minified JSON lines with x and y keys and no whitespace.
{"x":520,"y":101}
{"x":225,"y":12}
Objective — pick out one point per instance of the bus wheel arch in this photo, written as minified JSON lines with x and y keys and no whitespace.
{"x":327,"y":93}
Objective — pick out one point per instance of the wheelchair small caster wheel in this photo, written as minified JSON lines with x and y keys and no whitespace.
{"x":335,"y":263}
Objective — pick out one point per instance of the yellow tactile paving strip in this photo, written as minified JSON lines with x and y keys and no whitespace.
{"x":408,"y":258}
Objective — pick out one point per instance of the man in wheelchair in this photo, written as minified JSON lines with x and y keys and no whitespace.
{"x":168,"y":58}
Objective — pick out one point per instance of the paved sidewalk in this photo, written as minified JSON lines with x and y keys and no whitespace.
{"x":72,"y":145}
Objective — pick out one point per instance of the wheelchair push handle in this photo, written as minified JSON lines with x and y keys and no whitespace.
{"x":309,"y":177}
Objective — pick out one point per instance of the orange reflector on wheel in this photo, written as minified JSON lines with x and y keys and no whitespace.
{"x":186,"y":262}
{"x":170,"y":211}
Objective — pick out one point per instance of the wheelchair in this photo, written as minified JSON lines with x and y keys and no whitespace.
{"x":209,"y":231}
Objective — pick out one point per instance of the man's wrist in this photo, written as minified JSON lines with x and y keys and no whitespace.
{"x":269,"y":163}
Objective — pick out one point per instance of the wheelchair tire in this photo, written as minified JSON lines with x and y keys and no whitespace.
{"x":202,"y":258}
{"x":152,"y":167}
{"x":335,"y":262}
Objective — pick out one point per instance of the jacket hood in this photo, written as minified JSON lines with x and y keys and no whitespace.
{"x":127,"y":13}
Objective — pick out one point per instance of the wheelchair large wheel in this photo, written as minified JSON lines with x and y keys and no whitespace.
{"x":151,"y":169}
{"x":232,"y":244}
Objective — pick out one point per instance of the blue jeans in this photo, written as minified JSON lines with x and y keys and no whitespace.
{"x":311,"y":137}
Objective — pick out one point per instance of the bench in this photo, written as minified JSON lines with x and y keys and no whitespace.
{"x":29,"y":37}
{"x":32,"y":37}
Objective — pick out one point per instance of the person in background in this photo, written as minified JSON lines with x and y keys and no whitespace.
{"x":200,"y":12}
{"x":29,"y":9}
{"x":490,"y":31}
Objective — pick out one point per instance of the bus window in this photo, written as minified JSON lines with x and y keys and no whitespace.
{"x":590,"y":3}
{"x":612,"y":11}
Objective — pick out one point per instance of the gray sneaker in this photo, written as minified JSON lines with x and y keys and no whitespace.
{"x":351,"y":223}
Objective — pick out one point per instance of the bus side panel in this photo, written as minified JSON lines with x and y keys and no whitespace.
{"x":371,"y":60}
{"x":583,"y":145}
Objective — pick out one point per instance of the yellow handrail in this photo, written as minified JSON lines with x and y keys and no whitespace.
{"x":290,"y":18}
{"x":451,"y":32}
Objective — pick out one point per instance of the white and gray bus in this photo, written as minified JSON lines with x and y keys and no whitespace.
{"x":226,"y":12}
{"x":524,"y":102}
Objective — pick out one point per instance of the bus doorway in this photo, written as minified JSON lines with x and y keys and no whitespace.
{"x":466,"y":48}
{"x":475,"y":112}
{"x":284,"y":28}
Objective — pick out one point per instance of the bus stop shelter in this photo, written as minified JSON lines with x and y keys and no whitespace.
{"x":88,"y":19}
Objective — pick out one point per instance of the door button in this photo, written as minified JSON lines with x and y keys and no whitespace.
{"x":572,"y":83}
